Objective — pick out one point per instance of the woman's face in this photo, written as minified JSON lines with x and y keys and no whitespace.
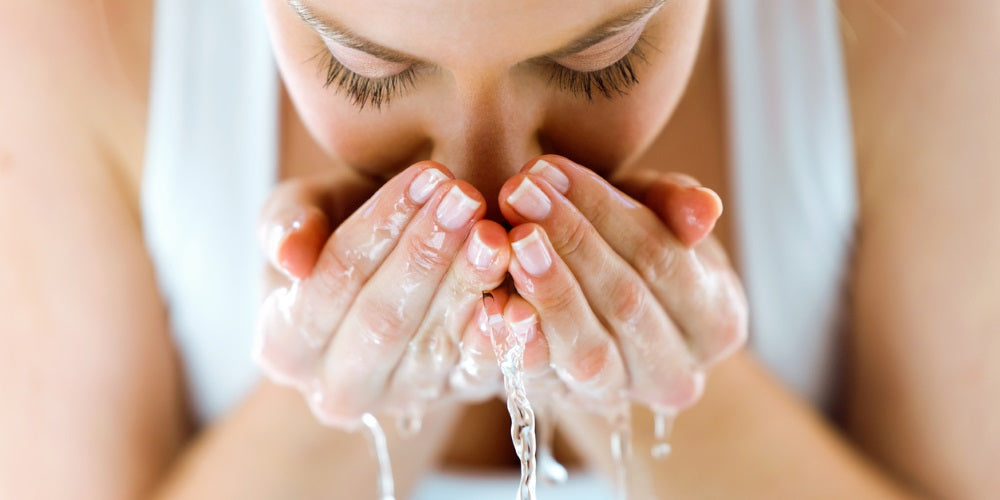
{"x":482,"y":86}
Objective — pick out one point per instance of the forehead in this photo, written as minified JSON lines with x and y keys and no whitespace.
{"x":453,"y":31}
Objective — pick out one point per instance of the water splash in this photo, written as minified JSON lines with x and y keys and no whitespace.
{"x":663,"y":425}
{"x":386,"y":485}
{"x":549,"y":469}
{"x":621,"y":447}
{"x":509,"y":350}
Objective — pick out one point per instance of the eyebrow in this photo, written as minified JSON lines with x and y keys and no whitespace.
{"x":339,"y":34}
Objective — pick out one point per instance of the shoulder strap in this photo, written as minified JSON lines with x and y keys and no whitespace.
{"x":795,"y":191}
{"x":210,"y":159}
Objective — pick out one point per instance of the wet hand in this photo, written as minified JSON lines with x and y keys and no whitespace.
{"x":633,"y":298}
{"x":369,"y":318}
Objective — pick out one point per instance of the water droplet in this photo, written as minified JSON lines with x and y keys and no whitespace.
{"x":621,"y":447}
{"x":549,"y":469}
{"x":386,"y":485}
{"x":663,"y":424}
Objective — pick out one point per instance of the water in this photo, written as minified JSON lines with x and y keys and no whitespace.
{"x":509,"y":350}
{"x":621,"y":447}
{"x":663,"y":424}
{"x":549,"y":469}
{"x":386,"y":485}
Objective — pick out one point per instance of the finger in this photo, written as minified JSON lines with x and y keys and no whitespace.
{"x":295,"y":220}
{"x":358,"y":247}
{"x":698,"y":289}
{"x":297,"y":320}
{"x":280,"y":350}
{"x":661,"y":369}
{"x":481,"y":265}
{"x":540,"y":381}
{"x":522,"y":321}
{"x":384,"y":317}
{"x":293,"y":224}
{"x":477,"y":375}
{"x":689,"y":209}
{"x":478,"y":372}
{"x":581,"y":350}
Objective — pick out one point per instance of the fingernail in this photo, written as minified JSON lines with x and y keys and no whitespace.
{"x":423,"y":186}
{"x":532,"y":254}
{"x":551,"y":174}
{"x":479,"y":253}
{"x":456,"y":209}
{"x":530,"y":201}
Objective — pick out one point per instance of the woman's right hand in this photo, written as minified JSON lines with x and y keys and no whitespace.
{"x":370,"y":317}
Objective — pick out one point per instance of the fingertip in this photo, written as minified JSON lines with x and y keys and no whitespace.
{"x":522,"y":231}
{"x":500,"y":298}
{"x":552,"y":174}
{"x":420,"y":166}
{"x":689,"y":209}
{"x":521,"y":318}
{"x":487,"y":246}
{"x":459,"y":205}
{"x":713,"y":200}
{"x":297,"y":251}
{"x":425,"y":179}
{"x":697,"y":209}
{"x":508,"y":211}
{"x":560,"y":162}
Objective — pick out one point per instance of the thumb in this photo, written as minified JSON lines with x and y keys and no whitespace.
{"x":689,"y":209}
{"x":300,"y":214}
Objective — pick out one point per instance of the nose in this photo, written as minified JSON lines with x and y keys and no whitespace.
{"x":485,"y":135}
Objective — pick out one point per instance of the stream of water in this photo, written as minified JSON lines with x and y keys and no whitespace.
{"x":386,"y":485}
{"x":509,"y":349}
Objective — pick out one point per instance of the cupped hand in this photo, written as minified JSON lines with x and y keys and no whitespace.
{"x":634,"y":299}
{"x":369,"y":318}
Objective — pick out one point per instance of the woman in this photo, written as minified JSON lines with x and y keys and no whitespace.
{"x":112,"y":228}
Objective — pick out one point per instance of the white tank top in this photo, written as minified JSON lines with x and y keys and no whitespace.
{"x":211,"y":159}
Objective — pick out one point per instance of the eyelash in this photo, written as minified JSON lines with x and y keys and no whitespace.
{"x":614,"y":80}
{"x":361,"y":90}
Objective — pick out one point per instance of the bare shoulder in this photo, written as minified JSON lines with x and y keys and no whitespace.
{"x":921,"y":68}
{"x":925,"y":91}
{"x":86,"y":348}
{"x":79,"y":65}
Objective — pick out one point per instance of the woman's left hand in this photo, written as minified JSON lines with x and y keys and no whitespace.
{"x":632,"y":299}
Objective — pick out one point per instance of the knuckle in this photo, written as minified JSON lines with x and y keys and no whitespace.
{"x":435,"y":347}
{"x":590,"y":363}
{"x":629,"y":302}
{"x":333,"y":272}
{"x":427,"y":254}
{"x":655,"y":261}
{"x":281,"y":353}
{"x":573,"y":236}
{"x":466,"y":284}
{"x":556,"y":297}
{"x":378,"y":322}
{"x":730,"y":324}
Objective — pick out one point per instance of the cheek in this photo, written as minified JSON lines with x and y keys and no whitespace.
{"x":377,"y":144}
